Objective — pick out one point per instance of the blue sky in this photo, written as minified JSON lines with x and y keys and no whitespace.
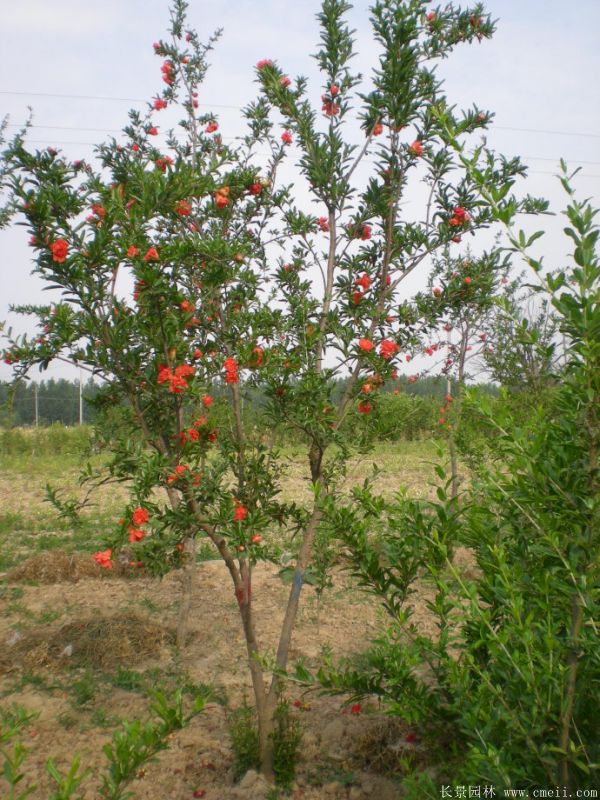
{"x":539,"y":73}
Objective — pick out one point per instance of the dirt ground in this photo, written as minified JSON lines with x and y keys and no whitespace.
{"x":342,"y":754}
{"x":200,"y":756}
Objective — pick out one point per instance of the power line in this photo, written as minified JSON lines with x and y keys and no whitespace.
{"x":239,"y":108}
{"x":552,"y":133}
{"x":100,"y":97}
{"x":232,"y":138}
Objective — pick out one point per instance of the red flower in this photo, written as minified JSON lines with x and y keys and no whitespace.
{"x":99,"y":210}
{"x":153,"y":131}
{"x":366,"y":345}
{"x":192,"y":434}
{"x":197,"y":354}
{"x":255,"y":188}
{"x":179,"y":472}
{"x":140,"y":516}
{"x":468,"y":281}
{"x":264,"y":62}
{"x":207,"y":401}
{"x":334,"y":90}
{"x":411,"y":737}
{"x":356,"y":709}
{"x":200,"y":422}
{"x":365,"y":232}
{"x":363,"y":281}
{"x":151,"y":254}
{"x":357,"y":297}
{"x":377,"y":129}
{"x":135,"y":147}
{"x":59,"y":250}
{"x":416,"y":148}
{"x":132,"y":252}
{"x":222,"y":197}
{"x":183,"y":208}
{"x":431,"y":17}
{"x":285,"y":81}
{"x":330,"y":108}
{"x":104,"y":559}
{"x":323,"y":224}
{"x":365,"y":407}
{"x":240,"y":513}
{"x":257,"y":352}
{"x":456,"y":239}
{"x":163,"y":163}
{"x":177,"y":379}
{"x":286,"y":137}
{"x":167,"y":71}
{"x":159,"y":104}
{"x":437,"y":291}
{"x":387,"y":349}
{"x":212,"y":127}
{"x":256,"y":539}
{"x":135,"y":534}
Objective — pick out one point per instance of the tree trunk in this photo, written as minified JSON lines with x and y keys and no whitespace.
{"x":187,"y":591}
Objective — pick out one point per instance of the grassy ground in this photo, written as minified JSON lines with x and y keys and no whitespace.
{"x":84,"y":652}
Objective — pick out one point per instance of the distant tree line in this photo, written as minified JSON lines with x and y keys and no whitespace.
{"x":57,"y":402}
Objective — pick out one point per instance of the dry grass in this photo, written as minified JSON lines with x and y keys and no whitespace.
{"x":104,"y":642}
{"x":58,"y":566}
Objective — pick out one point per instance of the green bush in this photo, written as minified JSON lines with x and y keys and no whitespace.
{"x":509,"y":675}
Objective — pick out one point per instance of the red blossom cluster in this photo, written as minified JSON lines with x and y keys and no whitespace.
{"x":230,"y":366}
{"x":416,"y":149}
{"x":179,"y":471}
{"x":163,"y":162}
{"x":183,"y":208}
{"x":168,"y":73}
{"x":222,"y":197}
{"x":286,"y":137}
{"x":459,"y":218}
{"x":176,"y":379}
{"x":59,"y":250}
{"x":388,"y":349}
{"x":151,"y":254}
{"x":104,"y":559}
{"x":240,"y":512}
{"x":330,"y":107}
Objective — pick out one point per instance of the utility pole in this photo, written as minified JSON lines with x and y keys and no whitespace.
{"x":35,"y":401}
{"x":80,"y":399}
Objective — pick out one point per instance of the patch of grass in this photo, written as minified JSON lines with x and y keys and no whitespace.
{"x":84,"y":690}
{"x":11,"y":593}
{"x":20,"y":609}
{"x":46,"y":617}
{"x":67,"y":721}
{"x":102,"y":719}
{"x":244,"y":740}
{"x":326,"y":774}
{"x":128,"y":679}
{"x":149,"y":605}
